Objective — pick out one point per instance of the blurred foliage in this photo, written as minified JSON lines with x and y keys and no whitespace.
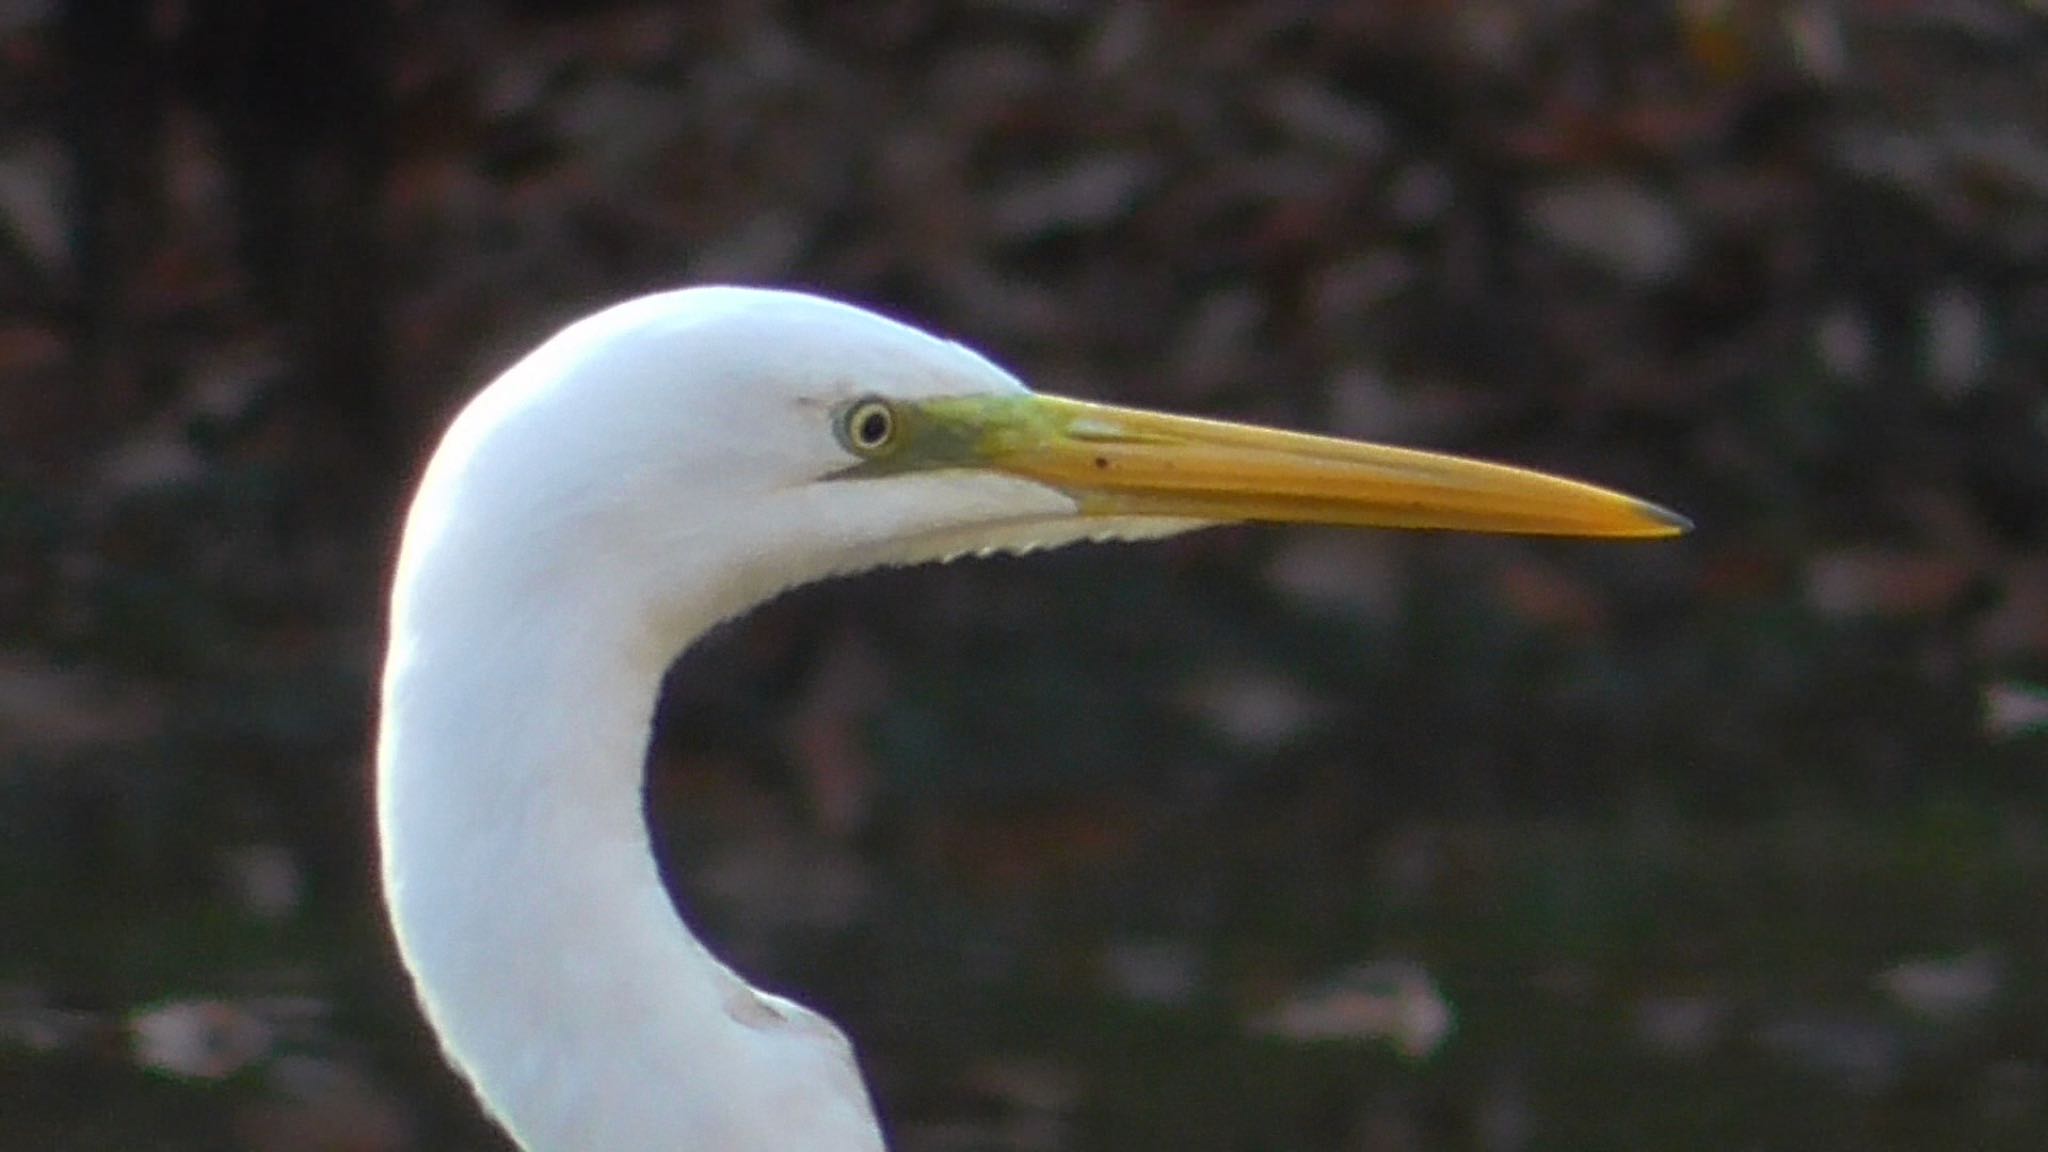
{"x":1684,"y":834}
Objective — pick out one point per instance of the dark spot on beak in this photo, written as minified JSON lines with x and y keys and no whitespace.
{"x":1102,"y":461}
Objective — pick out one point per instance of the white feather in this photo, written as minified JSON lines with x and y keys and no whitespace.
{"x":646,"y":473}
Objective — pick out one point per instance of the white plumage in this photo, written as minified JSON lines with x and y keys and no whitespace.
{"x":646,"y":473}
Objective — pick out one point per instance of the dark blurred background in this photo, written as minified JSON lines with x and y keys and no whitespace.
{"x":1250,"y":840}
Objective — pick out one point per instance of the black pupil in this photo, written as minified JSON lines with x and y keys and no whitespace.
{"x":872,"y":428}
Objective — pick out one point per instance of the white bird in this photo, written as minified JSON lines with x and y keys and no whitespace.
{"x":659,"y":467}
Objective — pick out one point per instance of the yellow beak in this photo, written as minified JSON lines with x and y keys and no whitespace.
{"x":1125,"y":462}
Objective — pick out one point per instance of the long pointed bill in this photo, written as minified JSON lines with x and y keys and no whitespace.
{"x":1125,"y":462}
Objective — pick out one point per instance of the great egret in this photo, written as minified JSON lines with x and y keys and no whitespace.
{"x":654,"y":469}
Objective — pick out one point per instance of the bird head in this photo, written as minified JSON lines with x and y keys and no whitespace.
{"x":736,"y":441}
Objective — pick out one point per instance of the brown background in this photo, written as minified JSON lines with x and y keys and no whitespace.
{"x":1736,"y":842}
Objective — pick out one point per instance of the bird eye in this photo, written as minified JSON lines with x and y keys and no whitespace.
{"x":868,"y":427}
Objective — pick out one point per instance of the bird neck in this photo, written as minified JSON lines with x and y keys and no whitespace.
{"x":523,"y":890}
{"x":518,"y":867}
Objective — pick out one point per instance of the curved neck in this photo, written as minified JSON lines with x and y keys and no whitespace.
{"x":523,"y":889}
